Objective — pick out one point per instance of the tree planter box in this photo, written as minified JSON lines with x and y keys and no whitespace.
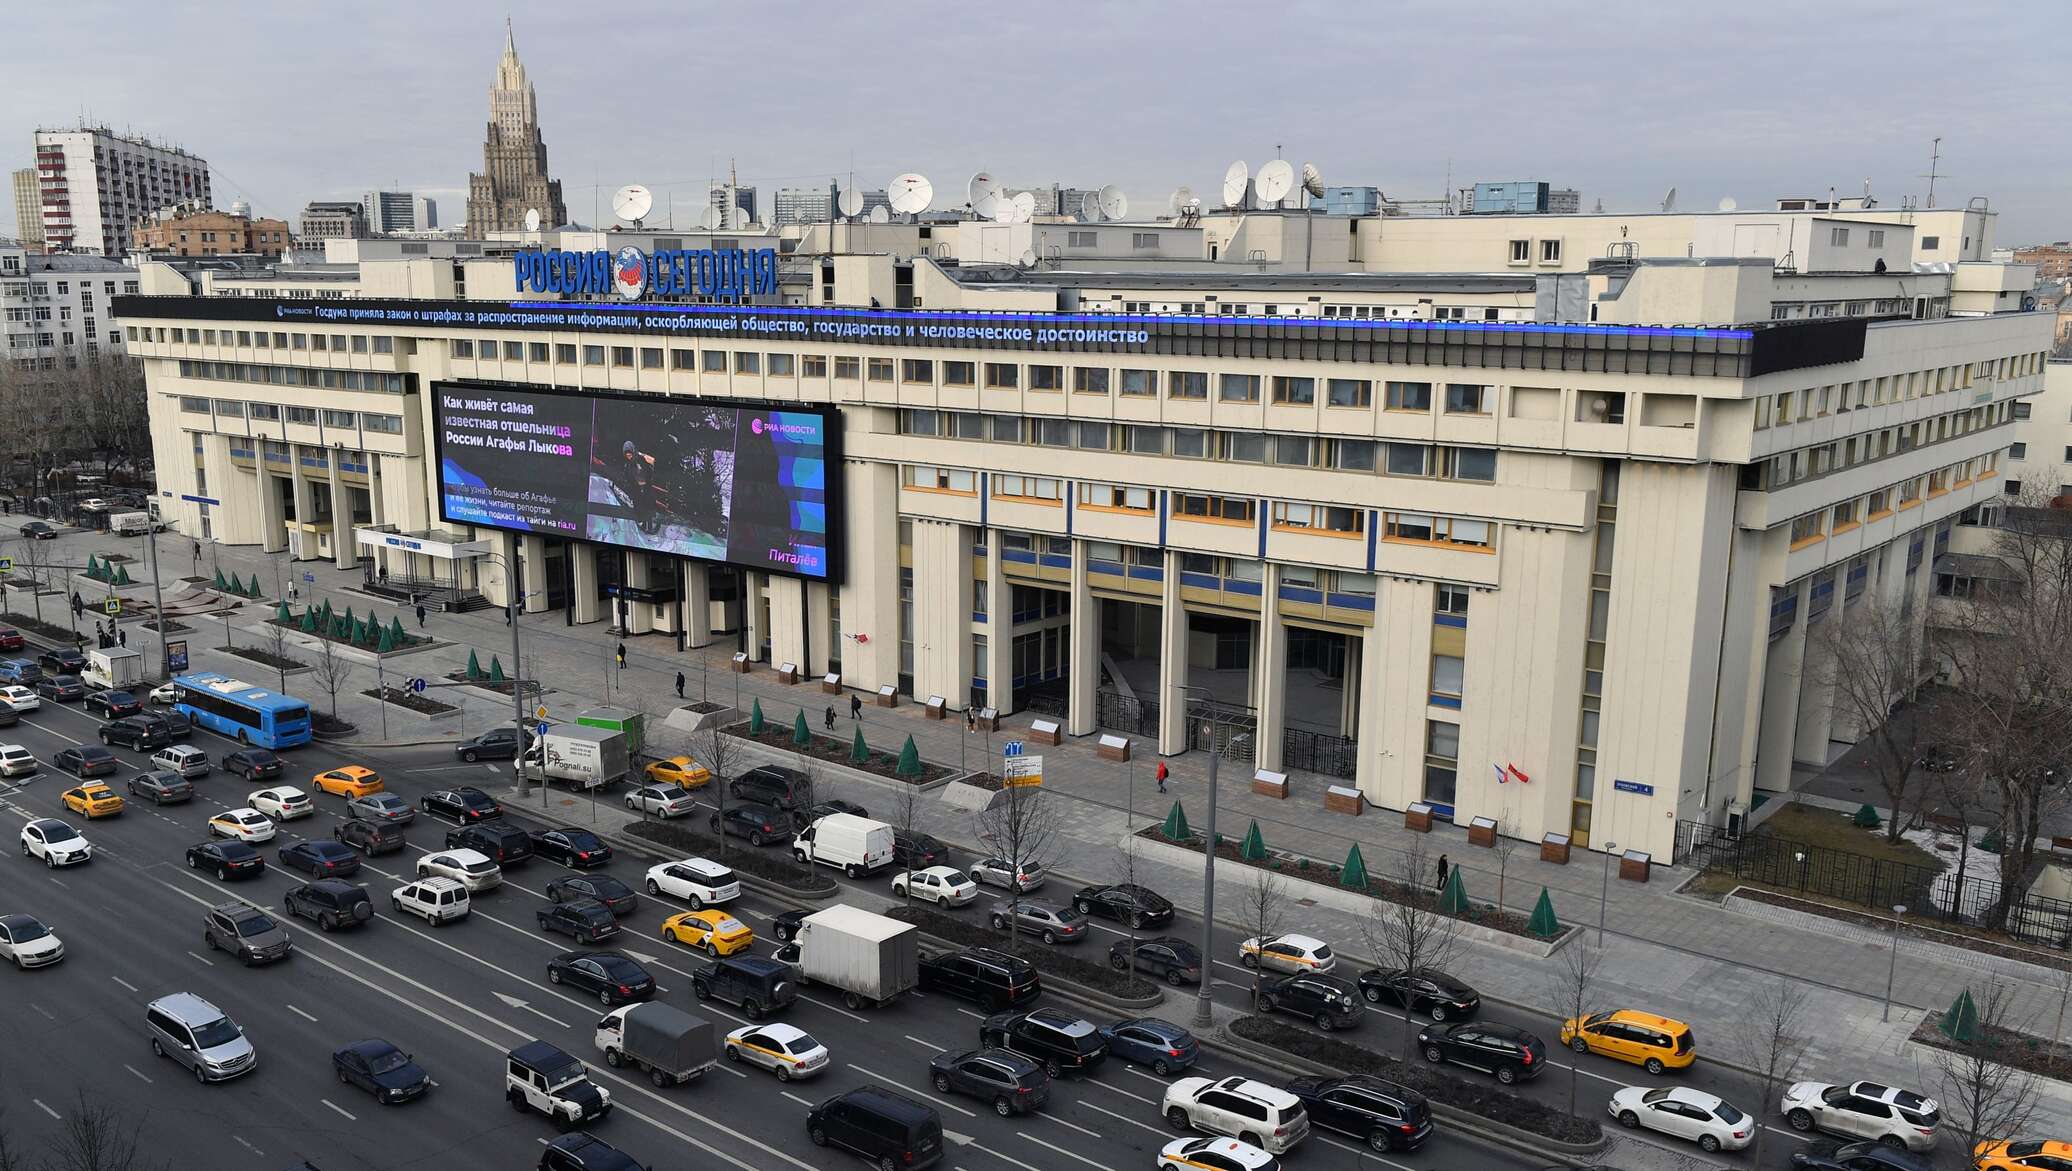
{"x":1045,"y":732}
{"x":1482,"y":832}
{"x":1418,"y":818}
{"x":831,"y":684}
{"x":1270,"y":784}
{"x":989,"y":719}
{"x":1634,"y":866}
{"x":1554,"y":848}
{"x":1115,"y":748}
{"x":1340,"y":799}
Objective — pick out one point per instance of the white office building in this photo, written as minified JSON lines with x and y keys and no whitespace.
{"x":97,"y":184}
{"x":399,"y":211}
{"x":57,"y":309}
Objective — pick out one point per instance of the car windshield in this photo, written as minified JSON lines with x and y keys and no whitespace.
{"x":1068,"y":915}
{"x":23,"y":932}
{"x":803,"y":1043}
{"x":256,"y":925}
{"x":1653,"y":1096}
{"x":1727,"y":1114}
{"x":610,"y":888}
{"x":1322,"y":952}
{"x":622,"y":969}
{"x":584,"y":840}
{"x":217,"y":1032}
{"x":391,"y":1060}
{"x":95,"y":754}
{"x":595,"y":913}
{"x":59,"y":832}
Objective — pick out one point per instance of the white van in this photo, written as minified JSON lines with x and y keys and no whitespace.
{"x":856,"y":845}
{"x":435,"y":900}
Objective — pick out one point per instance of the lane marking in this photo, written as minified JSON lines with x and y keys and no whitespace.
{"x":46,"y":1012}
{"x":1073,"y":1125}
{"x":248,"y":1146}
{"x":342,"y":1110}
{"x":140,"y":1074}
{"x":931,"y":1097}
{"x":1136,"y":1097}
{"x":1367,"y":1152}
{"x":910,"y":1037}
{"x":974,"y":1015}
{"x":47,"y":1110}
{"x":1062,"y":1151}
{"x":795,"y":1098}
{"x":1124,"y":1118}
{"x":299,"y":1012}
{"x":831,"y":1008}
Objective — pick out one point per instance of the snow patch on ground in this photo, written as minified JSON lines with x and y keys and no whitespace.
{"x":1980,"y":866}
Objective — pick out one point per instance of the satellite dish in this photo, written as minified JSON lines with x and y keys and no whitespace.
{"x":737,"y":219}
{"x":709,"y":220}
{"x":1726,"y":203}
{"x":1177,"y":202}
{"x":850,"y":201}
{"x":532,"y":219}
{"x":985,"y":195}
{"x":879,"y":215}
{"x":1237,"y":179}
{"x":911,"y":193}
{"x":1024,"y":208}
{"x":1276,"y":179}
{"x":1669,"y":200}
{"x":1089,"y":210}
{"x":1003,"y":208}
{"x":1028,"y":258}
{"x":632,"y":202}
{"x":1114,"y":204}
{"x":1312,"y":180}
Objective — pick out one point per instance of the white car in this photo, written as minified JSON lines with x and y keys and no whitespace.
{"x":1301,"y":954}
{"x":165,"y":694}
{"x":945,"y":886}
{"x":1864,"y":1110}
{"x":16,"y":761}
{"x":435,"y":900}
{"x":785,"y":1050}
{"x":997,"y":871}
{"x":20,"y":698}
{"x":246,"y":825}
{"x":56,"y":843}
{"x":282,"y":802}
{"x":1214,"y":1154}
{"x":1688,"y":1114}
{"x":662,"y":801}
{"x":699,"y":882}
{"x":26,"y":942}
{"x":473,"y":869}
{"x":1254,"y":1113}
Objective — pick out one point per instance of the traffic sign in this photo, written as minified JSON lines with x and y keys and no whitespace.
{"x":308,"y":576}
{"x":6,"y":564}
{"x":417,"y":684}
{"x":541,"y":711}
{"x":1011,"y":748}
{"x":1023,"y":771}
{"x":112,"y":605}
{"x":540,"y":729}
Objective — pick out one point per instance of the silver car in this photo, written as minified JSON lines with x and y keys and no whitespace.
{"x":197,"y":1035}
{"x":380,"y":807}
{"x":997,"y":871}
{"x":247,"y":932}
{"x":661,"y":801}
{"x":1051,"y":922}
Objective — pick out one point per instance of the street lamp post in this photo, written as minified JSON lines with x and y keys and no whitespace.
{"x":514,"y":600}
{"x":1604,"y":890}
{"x":157,"y":592}
{"x":1892,"y":970}
{"x":1203,"y":1013}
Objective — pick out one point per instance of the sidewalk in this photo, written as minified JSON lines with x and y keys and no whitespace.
{"x":1682,"y":955}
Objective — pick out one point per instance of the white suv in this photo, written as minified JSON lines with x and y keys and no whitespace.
{"x":1864,"y":1110}
{"x":1251,"y":1112}
{"x":16,"y":760}
{"x":694,"y":880}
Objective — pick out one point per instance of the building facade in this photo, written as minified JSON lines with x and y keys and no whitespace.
{"x":333,"y":220}
{"x":513,"y":179}
{"x":57,"y":309}
{"x":735,"y":203}
{"x":802,"y":205}
{"x":209,"y":233}
{"x":28,"y":209}
{"x":2053,"y":261}
{"x":399,"y":211}
{"x":97,"y":184}
{"x":1349,"y":201}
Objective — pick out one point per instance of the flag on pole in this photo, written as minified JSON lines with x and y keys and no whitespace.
{"x":1501,"y":775}
{"x":1522,"y":778}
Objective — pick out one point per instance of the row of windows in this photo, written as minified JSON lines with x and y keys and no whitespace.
{"x":1814,"y":402}
{"x":1810,"y":462}
{"x":228,"y":408}
{"x":357,"y":343}
{"x":1815,"y":526}
{"x":293,"y":376}
{"x":63,"y":288}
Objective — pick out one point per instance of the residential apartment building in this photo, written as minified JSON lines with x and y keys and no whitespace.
{"x":28,"y":209}
{"x":1443,"y":527}
{"x":734,"y":202}
{"x":399,"y":211}
{"x":333,"y":220}
{"x":802,"y":205}
{"x":58,"y":308}
{"x":2053,"y":261}
{"x":97,"y":184}
{"x":209,"y":233}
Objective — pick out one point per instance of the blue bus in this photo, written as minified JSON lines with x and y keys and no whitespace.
{"x":247,"y":714}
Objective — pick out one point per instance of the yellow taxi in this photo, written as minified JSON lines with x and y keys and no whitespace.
{"x":682,"y":771}
{"x":93,"y":799}
{"x":719,"y":933}
{"x":2022,"y":1155}
{"x":349,"y":781}
{"x":1654,"y":1043}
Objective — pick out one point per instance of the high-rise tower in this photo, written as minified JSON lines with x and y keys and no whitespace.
{"x":514,"y":160}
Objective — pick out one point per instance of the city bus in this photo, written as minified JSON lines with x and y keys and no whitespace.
{"x":247,"y":714}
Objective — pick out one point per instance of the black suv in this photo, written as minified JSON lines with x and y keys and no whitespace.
{"x":582,"y":1151}
{"x":136,"y":734}
{"x":1014,"y":1084}
{"x":619,"y":898}
{"x":786,"y":925}
{"x":332,"y":902}
{"x":506,"y":845}
{"x":887,"y":1128}
{"x":1061,"y":1041}
{"x":756,"y":984}
{"x":917,"y":851}
{"x":760,"y":824}
{"x":1871,"y":1156}
{"x":1380,"y":1113}
{"x":1330,"y":1002}
{"x":1511,"y":1053}
{"x":253,"y":764}
{"x":982,"y":976}
{"x":463,"y":806}
{"x":584,"y":919}
{"x":770,"y":784}
{"x":1125,"y":902}
{"x":577,"y":849}
{"x":374,"y":837}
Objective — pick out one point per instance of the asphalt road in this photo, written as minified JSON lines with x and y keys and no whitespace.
{"x":457,"y":998}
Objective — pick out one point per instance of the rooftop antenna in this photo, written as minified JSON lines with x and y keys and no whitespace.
{"x":1024,"y":208}
{"x":1934,"y":165}
{"x":632,"y":203}
{"x":1726,"y":203}
{"x":1237,"y":184}
{"x":911,"y":193}
{"x":532,"y":219}
{"x":710,"y":219}
{"x":1114,"y":204}
{"x":879,"y":215}
{"x":1275,"y":180}
{"x":1177,"y":203}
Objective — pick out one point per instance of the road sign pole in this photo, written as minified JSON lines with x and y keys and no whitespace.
{"x":157,"y":591}
{"x":381,"y":695}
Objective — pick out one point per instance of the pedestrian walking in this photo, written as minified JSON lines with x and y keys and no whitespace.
{"x":855,"y":707}
{"x":622,"y":656}
{"x":1442,"y":873}
{"x":420,"y":617}
{"x":828,"y":720}
{"x":384,"y":577}
{"x":970,"y":721}
{"x":294,"y":594}
{"x":1161,"y":776}
{"x":679,"y":685}
{"x":122,"y":638}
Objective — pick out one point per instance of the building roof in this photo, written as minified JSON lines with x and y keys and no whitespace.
{"x":1209,"y":277}
{"x":72,"y":262}
{"x":1979,"y":566}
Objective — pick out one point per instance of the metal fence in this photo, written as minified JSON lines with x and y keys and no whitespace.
{"x":1319,"y":752}
{"x":1126,"y":713}
{"x":1873,"y":884}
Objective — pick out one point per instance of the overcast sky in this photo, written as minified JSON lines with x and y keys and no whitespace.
{"x":292,"y":102}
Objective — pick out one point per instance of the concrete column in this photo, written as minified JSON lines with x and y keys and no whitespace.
{"x":999,"y":665}
{"x":1780,"y":710}
{"x":818,"y":640}
{"x":942,"y":611}
{"x":1378,"y":773}
{"x":1083,"y":660}
{"x":1269,"y":671}
{"x":1172,"y":663}
{"x":752,"y":586}
{"x":305,"y":500}
{"x":787,"y":620}
{"x":640,"y":616}
{"x":582,"y":566}
{"x":345,"y":551}
{"x":532,"y":561}
{"x":1815,"y":689}
{"x":870,"y":595}
{"x":1349,"y":695}
{"x":273,"y":531}
{"x":697,"y":595}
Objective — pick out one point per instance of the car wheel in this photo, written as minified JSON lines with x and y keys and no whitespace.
{"x":1324,"y":1022}
{"x":1161,"y":1066}
{"x":342,"y":1080}
{"x":1119,"y":963}
{"x":199,"y":1076}
{"x":1800,"y":1119}
{"x":818,"y":1136}
{"x":1050,"y":937}
{"x":516,"y":1100}
{"x":1250,"y":961}
{"x":1579,"y":1045}
{"x":326,"y":924}
{"x":1086,"y":906}
{"x":783,"y":1073}
{"x":756,"y":840}
{"x":1433,"y":1054}
{"x":885,"y":1163}
{"x":1174,"y":978}
{"x":156,"y":1051}
{"x":999,"y":923}
{"x":1708,"y":1143}
{"x":208,"y":941}
{"x":752,"y":1009}
{"x":1378,"y":1140}
{"x":1654,"y":1065}
{"x":1252,"y":1139}
{"x":942,"y":1083}
{"x":653,"y":887}
{"x":1506,"y":1074}
{"x":1054,"y":1070}
{"x":604,"y":997}
{"x":697,"y":904}
{"x":553,"y":975}
{"x":1893,"y":1141}
{"x":1438,"y":1012}
{"x":470,"y":756}
{"x":1266,"y":1004}
{"x":853,"y":871}
{"x":1629,"y":1120}
{"x":712,"y":949}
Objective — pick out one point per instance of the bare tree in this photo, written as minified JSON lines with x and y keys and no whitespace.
{"x":1774,"y":1045}
{"x":333,"y":670}
{"x":1870,"y":660}
{"x":36,"y":559}
{"x":1982,"y":1097}
{"x":1259,"y":913}
{"x":1408,"y":933}
{"x":1504,"y":846}
{"x":1126,"y":868}
{"x":1573,"y":985}
{"x":717,"y":751}
{"x":905,"y":816}
{"x":276,"y":641}
{"x":95,"y":1136}
{"x":1023,"y":826}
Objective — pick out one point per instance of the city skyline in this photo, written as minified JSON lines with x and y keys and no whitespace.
{"x":1776,"y":128}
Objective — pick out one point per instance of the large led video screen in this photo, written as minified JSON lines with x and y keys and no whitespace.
{"x":692,"y":477}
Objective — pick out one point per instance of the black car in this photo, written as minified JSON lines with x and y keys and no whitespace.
{"x":1062,"y":1042}
{"x":1871,"y":1156}
{"x":319,"y":859}
{"x":495,"y":744}
{"x":759,"y":985}
{"x":62,"y":661}
{"x":253,"y":764}
{"x":85,"y":760}
{"x":584,"y":919}
{"x":1430,"y":991}
{"x":578,"y":849}
{"x":113,"y":703}
{"x":771,"y":784}
{"x":1125,"y":902}
{"x":822,"y":809}
{"x":1384,"y":1115}
{"x":10,"y":715}
{"x":886,"y":1127}
{"x":1014,"y":1084}
{"x":463,"y":806}
{"x":380,"y":1069}
{"x":617,"y":897}
{"x":373,"y":837}
{"x":1510,"y":1053}
{"x":36,"y":530}
{"x":983,"y":976}
{"x":162,"y":788}
{"x":614,"y":977}
{"x":62,"y":688}
{"x":229,"y":859}
{"x":582,"y":1151}
{"x":760,"y":824}
{"x":786,"y":925}
{"x":917,"y":851}
{"x":1163,"y":957}
{"x":176,"y":725}
{"x":506,"y":845}
{"x":1327,"y":1001}
{"x":135,"y":734}
{"x":332,"y":902}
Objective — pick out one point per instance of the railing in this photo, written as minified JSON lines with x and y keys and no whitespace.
{"x":1126,"y":713}
{"x":1319,"y":752}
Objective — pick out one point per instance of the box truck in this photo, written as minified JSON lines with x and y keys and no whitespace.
{"x":870,"y":958}
{"x":618,"y":719}
{"x":586,"y":758}
{"x":114,"y":667}
{"x":670,"y":1045}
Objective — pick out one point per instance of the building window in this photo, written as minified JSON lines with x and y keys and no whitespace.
{"x":1349,"y":392}
{"x":1221,"y":509}
{"x":1521,"y":252}
{"x":1466,"y":398}
{"x":1294,"y":391}
{"x":622,"y":356}
{"x":953,"y":373}
{"x":1046,"y":378}
{"x":459,"y":347}
{"x":782,"y":365}
{"x":1877,"y":237}
{"x":1448,"y":672}
{"x":1408,"y":396}
{"x":1353,"y":455}
{"x":199,"y":406}
{"x":2018,"y":451}
{"x":1838,"y":237}
{"x":593,"y":355}
{"x":1041,"y":489}
{"x":1320,"y":518}
{"x":1116,"y":497}
{"x":537,"y":351}
{"x":1089,"y":380}
{"x":1092,"y":436}
{"x":650,"y":357}
{"x":1294,"y":451}
{"x":565,"y":353}
{"x":1930,"y":243}
{"x":1805,"y":529}
{"x":303,"y":415}
{"x":715,"y":362}
{"x":1191,"y":384}
{"x":1550,"y":252}
{"x":1436,"y":530}
{"x":1450,"y":599}
{"x":1002,"y":375}
{"x":879,"y":369}
{"x":1442,"y":758}
{"x":383,"y":343}
{"x":849,"y":368}
{"x":513,"y":351}
{"x":1845,"y":515}
{"x":1139,"y":382}
{"x":918,"y":422}
{"x":813,"y":366}
{"x":683,"y":360}
{"x":1237,"y":388}
{"x":747,"y":362}
{"x":920,"y":371}
{"x":931,"y":479}
{"x":1141,"y":240}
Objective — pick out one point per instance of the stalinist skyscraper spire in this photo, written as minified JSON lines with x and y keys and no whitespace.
{"x":514,"y":160}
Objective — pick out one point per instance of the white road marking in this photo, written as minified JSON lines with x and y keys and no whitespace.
{"x":931,"y":1097}
{"x":299,"y":1012}
{"x":796,"y":1098}
{"x":975,"y":1015}
{"x":248,"y":1146}
{"x":1060,"y":1150}
{"x":47,"y":1110}
{"x":46,"y":1012}
{"x":831,"y":1008}
{"x":140,"y":1074}
{"x":910,"y":1037}
{"x":521,"y":1006}
{"x":1366,"y":1151}
{"x":1135,"y":1097}
{"x":67,"y":885}
{"x":124,"y":983}
{"x":1073,"y":1125}
{"x":342,"y":1110}
{"x":1124,"y":1118}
